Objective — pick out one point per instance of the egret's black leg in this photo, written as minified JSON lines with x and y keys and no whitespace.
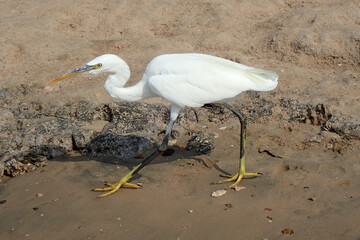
{"x":242,"y":119}
{"x":112,"y":188}
{"x":163,"y":146}
{"x":241,"y":173}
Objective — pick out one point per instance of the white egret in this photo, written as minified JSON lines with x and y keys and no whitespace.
{"x":184,"y":80}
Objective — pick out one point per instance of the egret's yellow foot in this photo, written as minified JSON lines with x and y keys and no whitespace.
{"x":236,"y":178}
{"x":112,"y":188}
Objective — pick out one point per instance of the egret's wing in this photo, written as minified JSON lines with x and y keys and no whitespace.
{"x":195,"y":79}
{"x":253,"y":78}
{"x":184,"y":91}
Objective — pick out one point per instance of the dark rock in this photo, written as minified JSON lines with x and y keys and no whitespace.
{"x":305,"y":113}
{"x":216,"y":113}
{"x":30,"y":158}
{"x":201,"y":143}
{"x":257,"y":107}
{"x":81,"y":137}
{"x":20,"y":164}
{"x":319,"y":114}
{"x":14,"y":168}
{"x":343,"y":126}
{"x":111,"y":145}
{"x":45,"y":133}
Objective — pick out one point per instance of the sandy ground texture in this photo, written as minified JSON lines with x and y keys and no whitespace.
{"x":310,"y":185}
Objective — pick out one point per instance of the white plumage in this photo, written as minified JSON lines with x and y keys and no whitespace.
{"x":185,"y":79}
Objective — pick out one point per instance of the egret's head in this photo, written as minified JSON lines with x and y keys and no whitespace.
{"x":104,"y":63}
{"x":101,"y":64}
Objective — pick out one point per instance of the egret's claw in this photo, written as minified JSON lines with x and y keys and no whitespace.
{"x":235,"y":178}
{"x":112,"y":188}
{"x":129,"y":185}
{"x":102,"y":189}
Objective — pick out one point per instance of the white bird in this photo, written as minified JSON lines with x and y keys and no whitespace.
{"x":187,"y":79}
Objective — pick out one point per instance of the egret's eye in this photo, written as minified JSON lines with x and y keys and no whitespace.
{"x":98,"y":65}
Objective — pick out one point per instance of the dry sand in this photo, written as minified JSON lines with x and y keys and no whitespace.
{"x":309,"y":187}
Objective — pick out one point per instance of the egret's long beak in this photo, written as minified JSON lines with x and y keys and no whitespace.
{"x":72,"y":73}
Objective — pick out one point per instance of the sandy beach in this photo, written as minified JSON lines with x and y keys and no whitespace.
{"x":303,"y":136}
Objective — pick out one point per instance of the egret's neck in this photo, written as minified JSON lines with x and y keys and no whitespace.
{"x":114,"y":85}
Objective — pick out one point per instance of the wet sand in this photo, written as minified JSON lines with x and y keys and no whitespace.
{"x":307,"y":193}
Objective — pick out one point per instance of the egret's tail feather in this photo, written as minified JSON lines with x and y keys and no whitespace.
{"x":263,"y":80}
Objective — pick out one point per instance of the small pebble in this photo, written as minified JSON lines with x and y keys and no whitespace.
{"x":119,"y":218}
{"x":222,"y":128}
{"x":41,"y":215}
{"x":190,"y":211}
{"x":218,"y":193}
{"x":228,"y":205}
{"x":39,"y":195}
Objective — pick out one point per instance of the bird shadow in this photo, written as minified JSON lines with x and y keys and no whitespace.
{"x":172,"y":154}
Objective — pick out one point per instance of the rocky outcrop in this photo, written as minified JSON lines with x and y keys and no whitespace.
{"x":32,"y":132}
